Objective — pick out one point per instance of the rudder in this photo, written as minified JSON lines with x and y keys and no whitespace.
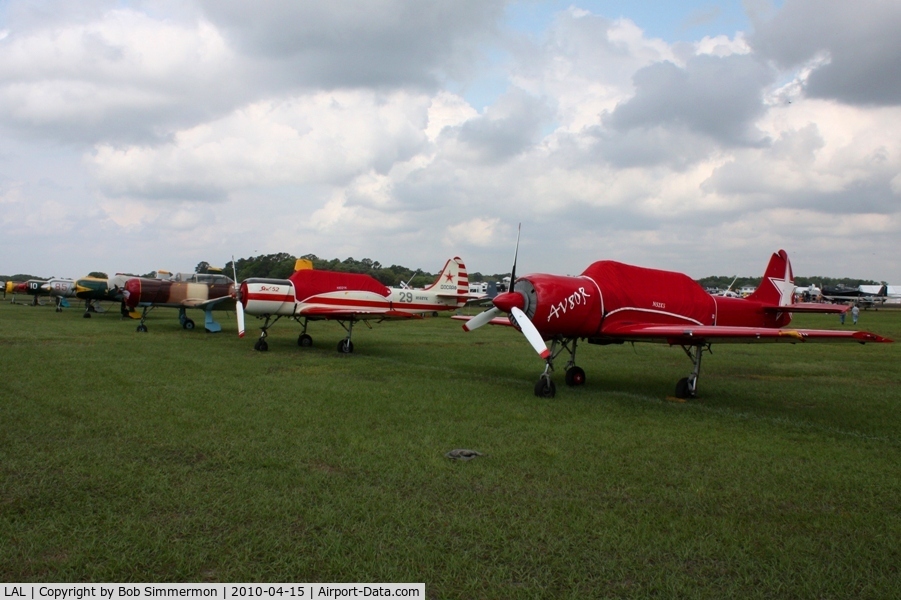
{"x":452,"y":281}
{"x":778,"y":284}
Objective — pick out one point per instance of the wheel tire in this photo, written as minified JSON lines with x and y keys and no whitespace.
{"x":188,"y":324}
{"x":86,"y":316}
{"x":575,"y":376}
{"x":142,"y":329}
{"x":345,"y":346}
{"x":682,"y":389}
{"x":545,"y":388}
{"x":304,"y":341}
{"x":261,"y":346}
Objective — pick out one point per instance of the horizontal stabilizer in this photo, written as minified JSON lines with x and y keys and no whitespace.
{"x":809,"y":307}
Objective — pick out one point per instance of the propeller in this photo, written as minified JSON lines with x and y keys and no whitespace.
{"x":510,"y":302}
{"x":483,"y":317}
{"x":239,"y":307}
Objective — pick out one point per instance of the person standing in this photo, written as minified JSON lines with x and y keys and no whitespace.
{"x":855,"y":312}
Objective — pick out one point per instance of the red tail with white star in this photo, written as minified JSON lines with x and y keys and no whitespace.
{"x":778,"y":285}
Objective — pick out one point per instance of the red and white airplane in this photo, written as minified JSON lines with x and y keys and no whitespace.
{"x":310,"y":295}
{"x":613,"y":303}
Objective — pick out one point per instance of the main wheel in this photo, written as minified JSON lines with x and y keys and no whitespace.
{"x":188,"y":324}
{"x":261,"y":345}
{"x":304,"y":341}
{"x":545,"y":388}
{"x":142,"y":329}
{"x":683,"y":390}
{"x":86,"y":316}
{"x":575,"y":376}
{"x":345,"y":346}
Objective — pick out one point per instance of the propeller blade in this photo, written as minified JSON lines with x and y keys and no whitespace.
{"x":239,"y":310}
{"x":515,"y":255}
{"x":239,"y":307}
{"x":481,"y":318}
{"x":531,"y":333}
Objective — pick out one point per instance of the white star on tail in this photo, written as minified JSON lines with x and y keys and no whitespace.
{"x":786,"y":285}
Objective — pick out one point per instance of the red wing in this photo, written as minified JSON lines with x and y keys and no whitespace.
{"x":694,"y":334}
{"x":364,"y":313}
{"x":227,"y":302}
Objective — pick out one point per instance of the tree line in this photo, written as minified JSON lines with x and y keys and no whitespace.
{"x":281,"y":265}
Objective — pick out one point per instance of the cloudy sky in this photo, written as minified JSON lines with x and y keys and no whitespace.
{"x":698,"y":136}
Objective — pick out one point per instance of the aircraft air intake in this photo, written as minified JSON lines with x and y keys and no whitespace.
{"x":261,"y":296}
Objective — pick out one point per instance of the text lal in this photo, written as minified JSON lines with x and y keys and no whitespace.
{"x":13,"y":592}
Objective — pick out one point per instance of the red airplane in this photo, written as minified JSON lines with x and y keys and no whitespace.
{"x":186,"y":290}
{"x":613,"y":303}
{"x":311,"y":295}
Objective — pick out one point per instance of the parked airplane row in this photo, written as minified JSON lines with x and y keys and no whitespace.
{"x":609,"y":303}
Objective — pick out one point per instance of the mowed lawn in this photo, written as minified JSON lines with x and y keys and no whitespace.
{"x":184,"y":456}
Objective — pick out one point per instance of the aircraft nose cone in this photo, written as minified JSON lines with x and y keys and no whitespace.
{"x":132,"y":292}
{"x":242,"y":294}
{"x":508,"y":300}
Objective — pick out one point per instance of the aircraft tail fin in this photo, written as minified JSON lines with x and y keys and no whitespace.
{"x":778,"y":284}
{"x":453,"y":281}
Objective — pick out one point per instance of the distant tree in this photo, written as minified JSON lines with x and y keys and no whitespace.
{"x":277,"y":266}
{"x":25,"y":277}
{"x":98,"y":275}
{"x":202,"y":267}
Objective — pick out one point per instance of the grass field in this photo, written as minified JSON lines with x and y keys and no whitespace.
{"x":185,"y":456}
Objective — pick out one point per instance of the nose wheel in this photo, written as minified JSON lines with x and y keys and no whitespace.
{"x":261,"y":345}
{"x":545,"y":387}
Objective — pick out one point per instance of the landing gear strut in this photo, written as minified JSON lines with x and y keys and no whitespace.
{"x":304,"y":340}
{"x":687,"y":387}
{"x":186,"y":322}
{"x":143,"y":328}
{"x":545,"y":387}
{"x":346,"y":346}
{"x":261,"y":344}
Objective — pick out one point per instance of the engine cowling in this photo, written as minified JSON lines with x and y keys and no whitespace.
{"x":140,"y":290}
{"x":560,"y":305}
{"x":261,"y":296}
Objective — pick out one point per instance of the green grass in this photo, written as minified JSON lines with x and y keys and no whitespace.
{"x":186,"y":456}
